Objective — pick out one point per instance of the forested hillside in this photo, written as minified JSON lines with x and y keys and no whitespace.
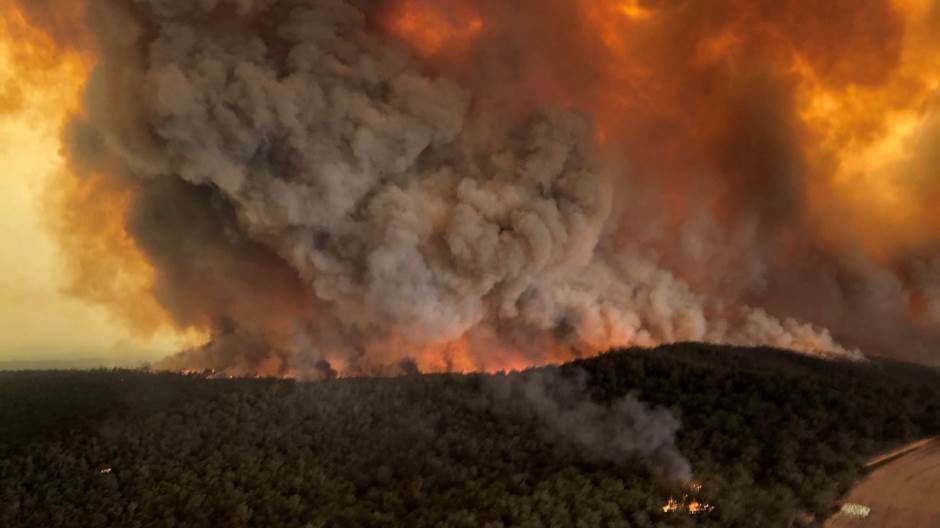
{"x":771,"y":437}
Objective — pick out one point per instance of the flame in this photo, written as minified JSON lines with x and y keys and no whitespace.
{"x":687,"y":503}
{"x":476,"y":352}
{"x":864,"y":121}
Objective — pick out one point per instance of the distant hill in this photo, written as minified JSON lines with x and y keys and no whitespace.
{"x":773,"y":439}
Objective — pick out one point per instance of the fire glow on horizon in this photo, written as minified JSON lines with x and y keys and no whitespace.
{"x":740,"y":143}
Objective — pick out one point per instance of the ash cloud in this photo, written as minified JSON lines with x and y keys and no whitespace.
{"x":312,"y":192}
{"x":702,"y":105}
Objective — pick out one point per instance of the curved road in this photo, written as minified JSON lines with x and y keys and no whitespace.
{"x":903,"y":493}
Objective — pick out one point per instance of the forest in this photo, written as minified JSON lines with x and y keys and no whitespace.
{"x":729,"y":437}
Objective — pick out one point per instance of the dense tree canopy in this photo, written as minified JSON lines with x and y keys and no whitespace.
{"x":774,"y":438}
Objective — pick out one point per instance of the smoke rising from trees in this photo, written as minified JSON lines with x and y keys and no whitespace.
{"x":310,"y":191}
{"x":611,"y":432}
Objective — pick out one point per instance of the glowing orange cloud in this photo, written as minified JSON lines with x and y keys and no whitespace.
{"x":47,"y":70}
{"x":879,"y":189}
{"x":434,"y":26}
{"x":861,"y":109}
{"x":88,"y":215}
{"x":708,"y":103}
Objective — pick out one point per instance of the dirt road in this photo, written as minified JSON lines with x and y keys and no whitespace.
{"x":902,"y":493}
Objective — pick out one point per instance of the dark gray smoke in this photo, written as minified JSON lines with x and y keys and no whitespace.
{"x":311,"y":192}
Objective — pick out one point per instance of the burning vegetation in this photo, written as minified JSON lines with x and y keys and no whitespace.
{"x":774,"y":439}
{"x":325,"y":189}
{"x":688,"y":503}
{"x":483,"y":185}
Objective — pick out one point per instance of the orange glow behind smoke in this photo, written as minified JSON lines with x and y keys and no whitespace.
{"x":879,"y":192}
{"x":37,"y":64}
{"x":86,"y":213}
{"x":89,"y":217}
{"x":864,"y":119}
{"x":464,"y":355}
{"x":432,"y":26}
{"x":863,"y":125}
{"x":866,"y":115}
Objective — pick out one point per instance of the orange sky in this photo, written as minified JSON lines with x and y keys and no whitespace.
{"x":868,"y":145}
{"x":38,"y":320}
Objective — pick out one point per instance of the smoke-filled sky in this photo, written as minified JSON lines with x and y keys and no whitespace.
{"x":39,"y":319}
{"x":313,"y":185}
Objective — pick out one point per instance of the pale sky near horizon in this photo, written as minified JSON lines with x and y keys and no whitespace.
{"x":37,"y":319}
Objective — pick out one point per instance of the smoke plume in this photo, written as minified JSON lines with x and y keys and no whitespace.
{"x":607,"y":433}
{"x":479,"y":184}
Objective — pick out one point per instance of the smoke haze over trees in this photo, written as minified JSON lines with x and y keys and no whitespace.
{"x":770,"y":436}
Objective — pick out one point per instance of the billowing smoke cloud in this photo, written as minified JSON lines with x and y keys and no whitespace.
{"x":478,"y":184}
{"x":310,"y":191}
